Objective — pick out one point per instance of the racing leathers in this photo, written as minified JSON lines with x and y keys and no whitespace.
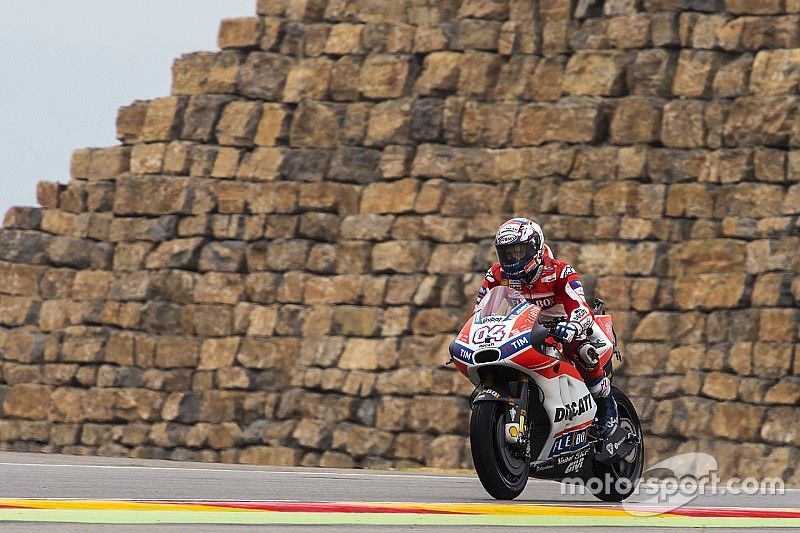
{"x":565,"y":312}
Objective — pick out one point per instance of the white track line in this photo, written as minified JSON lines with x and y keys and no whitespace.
{"x":267,"y":472}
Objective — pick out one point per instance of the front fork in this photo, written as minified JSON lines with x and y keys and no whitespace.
{"x":515,"y":431}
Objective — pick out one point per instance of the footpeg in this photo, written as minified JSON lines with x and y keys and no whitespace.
{"x":619,"y":444}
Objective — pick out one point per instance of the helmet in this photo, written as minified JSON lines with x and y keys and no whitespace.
{"x":520,"y":248}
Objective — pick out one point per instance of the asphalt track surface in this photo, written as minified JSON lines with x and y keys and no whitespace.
{"x":39,"y":492}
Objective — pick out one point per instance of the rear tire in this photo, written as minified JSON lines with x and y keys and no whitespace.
{"x":628,"y":468}
{"x":502,"y":475}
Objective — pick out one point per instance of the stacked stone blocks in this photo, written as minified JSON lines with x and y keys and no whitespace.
{"x":270,"y":265}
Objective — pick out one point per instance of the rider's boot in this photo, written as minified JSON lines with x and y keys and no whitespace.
{"x":607,"y":415}
{"x":614,"y":439}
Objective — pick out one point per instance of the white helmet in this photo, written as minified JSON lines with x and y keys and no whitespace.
{"x":520,"y":249}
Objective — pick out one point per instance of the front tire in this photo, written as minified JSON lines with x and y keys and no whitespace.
{"x":502,"y":475}
{"x":629,"y":468}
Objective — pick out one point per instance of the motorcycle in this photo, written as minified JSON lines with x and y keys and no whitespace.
{"x":532,"y":414}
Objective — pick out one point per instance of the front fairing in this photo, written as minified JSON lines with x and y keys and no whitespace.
{"x":499,"y":331}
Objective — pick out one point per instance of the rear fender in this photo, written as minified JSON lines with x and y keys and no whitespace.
{"x":604,"y":322}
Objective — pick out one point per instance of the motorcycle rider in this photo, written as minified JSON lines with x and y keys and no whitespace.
{"x":527,"y":265}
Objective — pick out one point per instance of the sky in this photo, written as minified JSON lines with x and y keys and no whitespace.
{"x":67,"y":66}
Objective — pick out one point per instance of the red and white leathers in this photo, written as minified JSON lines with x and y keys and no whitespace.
{"x":558,"y":291}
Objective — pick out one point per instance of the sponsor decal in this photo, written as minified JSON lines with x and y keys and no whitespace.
{"x":462,"y":353}
{"x":520,"y":342}
{"x":575,"y":293}
{"x":492,"y":392}
{"x":549,"y":278}
{"x":506,"y":239}
{"x":574,"y":466}
{"x":544,"y":302}
{"x":577,"y":287}
{"x":574,"y":409}
{"x":571,"y":440}
{"x":564,"y":459}
{"x":492,"y":333}
{"x":566,"y":272}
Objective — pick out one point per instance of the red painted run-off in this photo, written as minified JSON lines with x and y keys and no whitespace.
{"x":735,"y":512}
{"x":317,"y":507}
{"x":340,"y":507}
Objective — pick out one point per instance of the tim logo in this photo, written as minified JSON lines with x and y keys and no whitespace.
{"x":570,"y":441}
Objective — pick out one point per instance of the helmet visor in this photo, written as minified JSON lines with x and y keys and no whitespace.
{"x":511,"y":254}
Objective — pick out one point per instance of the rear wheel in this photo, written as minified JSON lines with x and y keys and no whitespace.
{"x":619,"y":479}
{"x":502,"y":473}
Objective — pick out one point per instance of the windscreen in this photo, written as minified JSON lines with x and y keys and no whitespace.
{"x":499,"y":301}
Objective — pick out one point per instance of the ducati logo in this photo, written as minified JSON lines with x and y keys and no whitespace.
{"x":574,"y":409}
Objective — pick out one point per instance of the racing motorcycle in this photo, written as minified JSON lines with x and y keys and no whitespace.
{"x":532,"y":414}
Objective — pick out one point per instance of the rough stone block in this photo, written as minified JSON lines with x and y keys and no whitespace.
{"x":488,"y":124}
{"x":243,"y":32}
{"x":206,"y":73}
{"x":389,"y":123}
{"x":215,"y":287}
{"x":263,"y":75}
{"x":709,"y":291}
{"x":652,"y":73}
{"x":400,"y":256}
{"x":309,"y":79}
{"x":600,"y":73}
{"x":107,"y":163}
{"x":385,"y":76}
{"x":477,"y":73}
{"x":682,"y":125}
{"x":755,"y":7}
{"x":316,"y":125}
{"x":163,"y":120}
{"x":775,"y":72}
{"x":130,"y":120}
{"x":238,"y":123}
{"x":357,"y":165}
{"x":571,"y":121}
{"x":27,"y":401}
{"x":732,"y":77}
{"x":151,"y":195}
{"x":761,"y":120}
{"x":637,"y":119}
{"x":148,"y":158}
{"x":477,"y":34}
{"x":389,"y":197}
{"x":630,"y":30}
{"x":433,"y":38}
{"x":262,"y":164}
{"x":344,"y":38}
{"x":695,"y":73}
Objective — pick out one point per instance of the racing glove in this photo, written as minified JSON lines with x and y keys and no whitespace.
{"x":566,"y":331}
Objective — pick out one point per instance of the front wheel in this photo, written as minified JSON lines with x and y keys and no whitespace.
{"x":619,"y":479}
{"x":502,"y":473}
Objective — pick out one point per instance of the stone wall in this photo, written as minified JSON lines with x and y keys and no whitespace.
{"x":270,"y":265}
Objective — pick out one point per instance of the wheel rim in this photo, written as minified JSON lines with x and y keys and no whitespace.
{"x":511,"y":467}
